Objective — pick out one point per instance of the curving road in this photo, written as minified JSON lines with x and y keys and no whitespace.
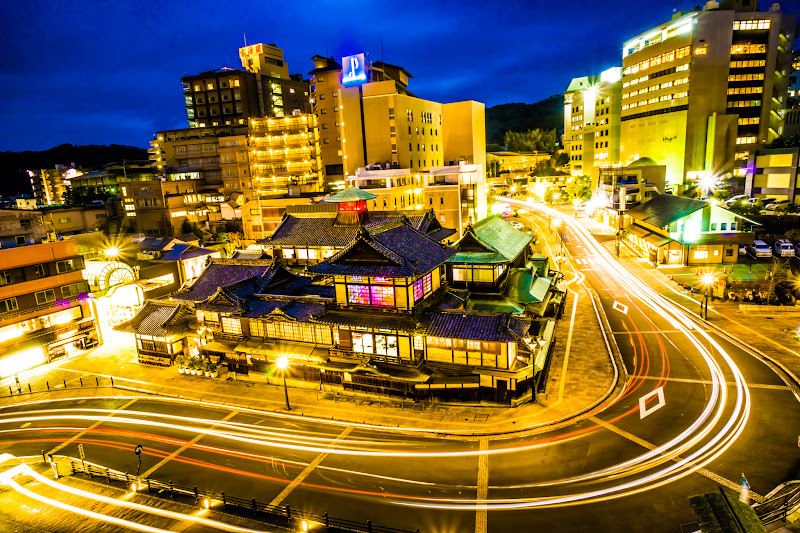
{"x":696,"y":411}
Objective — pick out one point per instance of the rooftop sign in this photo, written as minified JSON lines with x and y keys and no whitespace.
{"x":354,"y":70}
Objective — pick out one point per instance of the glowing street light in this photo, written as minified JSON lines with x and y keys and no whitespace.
{"x":111,"y":252}
{"x":283,"y":364}
{"x":707,"y":279}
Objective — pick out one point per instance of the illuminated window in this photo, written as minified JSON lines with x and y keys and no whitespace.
{"x":751,"y":24}
{"x":700,"y":254}
{"x":700,"y":51}
{"x":419,"y":291}
{"x":362,"y":342}
{"x":746,"y":140}
{"x":358,"y":294}
{"x":428,"y":283}
{"x":232,"y":325}
{"x":382,"y":295}
{"x":748,"y":49}
{"x":386,"y":345}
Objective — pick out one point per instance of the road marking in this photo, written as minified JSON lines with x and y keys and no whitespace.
{"x":481,"y":518}
{"x":302,"y":475}
{"x":642,"y":332}
{"x":709,"y":382}
{"x":563,"y":383}
{"x":180,"y":450}
{"x":622,"y":308}
{"x":702,"y":471}
{"x":578,"y":260}
{"x":90,"y":428}
{"x":644,"y":410}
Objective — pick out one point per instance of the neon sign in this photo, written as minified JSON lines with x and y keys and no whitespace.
{"x":354,"y":70}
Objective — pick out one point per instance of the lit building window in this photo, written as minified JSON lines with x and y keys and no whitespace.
{"x":382,"y":295}
{"x":358,"y":294}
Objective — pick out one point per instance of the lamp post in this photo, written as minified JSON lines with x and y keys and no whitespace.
{"x":283,"y":365}
{"x":575,"y":204}
{"x":708,"y":280}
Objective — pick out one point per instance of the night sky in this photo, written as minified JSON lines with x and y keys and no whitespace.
{"x":92,"y":72}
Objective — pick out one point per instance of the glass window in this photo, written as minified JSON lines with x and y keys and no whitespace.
{"x":9,"y":304}
{"x":386,"y":345}
{"x":419,"y":291}
{"x":428,"y":283}
{"x":43,"y":297}
{"x":256,"y":328}
{"x":382,"y":295}
{"x":362,"y":342}
{"x":232,"y":325}
{"x":462,"y":274}
{"x":723,"y":226}
{"x":358,"y":294}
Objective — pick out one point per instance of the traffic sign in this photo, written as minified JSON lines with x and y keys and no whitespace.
{"x":138,"y":449}
{"x":80,"y":452}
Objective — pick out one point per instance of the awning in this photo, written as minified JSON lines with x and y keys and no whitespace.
{"x":648,"y":235}
{"x":219,"y":347}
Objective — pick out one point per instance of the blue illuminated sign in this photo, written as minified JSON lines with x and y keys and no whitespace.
{"x":353,"y":70}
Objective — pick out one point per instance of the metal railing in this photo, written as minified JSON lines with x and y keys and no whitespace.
{"x":248,"y":508}
{"x":780,"y":503}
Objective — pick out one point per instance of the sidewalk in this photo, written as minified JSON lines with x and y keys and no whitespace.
{"x":581,"y":376}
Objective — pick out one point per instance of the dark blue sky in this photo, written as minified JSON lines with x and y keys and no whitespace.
{"x":101,"y":72}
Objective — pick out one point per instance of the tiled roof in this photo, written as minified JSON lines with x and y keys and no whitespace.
{"x":378,"y":320}
{"x":221,"y":273}
{"x":300,"y":310}
{"x":453,"y":299}
{"x":493,"y":234}
{"x":393,"y":250}
{"x":249,"y":254}
{"x":318,"y":225}
{"x":524,"y":287}
{"x":665,"y":209}
{"x":158,"y":319}
{"x":477,"y":326}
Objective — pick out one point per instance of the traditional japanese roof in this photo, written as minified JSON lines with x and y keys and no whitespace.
{"x":453,"y":299}
{"x":299,"y":310}
{"x":222,"y":273}
{"x":477,"y":325}
{"x":278,"y":280}
{"x":524,"y":287}
{"x":377,"y":320}
{"x":665,"y":209}
{"x":158,"y":319}
{"x":718,"y":512}
{"x":491,"y":240}
{"x":250,"y":254}
{"x":351,"y":194}
{"x":181,"y":252}
{"x":392,"y":250}
{"x":225,"y":301}
{"x":321,"y":225}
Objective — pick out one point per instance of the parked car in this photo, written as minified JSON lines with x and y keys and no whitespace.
{"x":760,"y":249}
{"x":780,"y":205}
{"x":760,"y":202}
{"x":742,"y":249}
{"x":736,"y":199}
{"x":517,"y":225}
{"x":783,"y":248}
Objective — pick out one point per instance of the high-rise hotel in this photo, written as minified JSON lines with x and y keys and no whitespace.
{"x":702,"y":90}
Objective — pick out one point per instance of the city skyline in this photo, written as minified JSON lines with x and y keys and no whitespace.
{"x":54,"y":63}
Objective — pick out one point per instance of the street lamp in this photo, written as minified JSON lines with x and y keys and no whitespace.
{"x":283,"y":364}
{"x":575,"y":204}
{"x":111,"y":252}
{"x":708,"y":280}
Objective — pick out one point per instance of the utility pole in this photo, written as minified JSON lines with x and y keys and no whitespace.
{"x":623,"y":193}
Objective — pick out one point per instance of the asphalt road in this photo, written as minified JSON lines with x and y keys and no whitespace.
{"x":685,"y":422}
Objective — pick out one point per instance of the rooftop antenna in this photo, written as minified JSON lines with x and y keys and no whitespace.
{"x":381,"y":48}
{"x":245,"y":39}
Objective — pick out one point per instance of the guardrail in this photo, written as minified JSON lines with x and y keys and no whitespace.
{"x":247,"y":508}
{"x":780,"y":503}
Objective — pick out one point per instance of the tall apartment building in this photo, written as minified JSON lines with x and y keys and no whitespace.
{"x":367,"y":115}
{"x":45,"y":311}
{"x":702,"y":90}
{"x":229,"y":97}
{"x":50,"y":184}
{"x":592,"y":121}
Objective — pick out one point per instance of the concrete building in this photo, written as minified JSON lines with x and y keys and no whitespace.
{"x":642,"y":180}
{"x":703,"y":89}
{"x":772,"y":173}
{"x":229,"y":97}
{"x":49,"y":185}
{"x":45,"y":309}
{"x":592,"y":121}
{"x":368,"y":116}
{"x":505,"y":167}
{"x":22,"y":227}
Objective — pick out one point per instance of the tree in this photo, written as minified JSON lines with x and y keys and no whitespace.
{"x":561,"y":160}
{"x":531,"y":141}
{"x":774,"y":277}
{"x":579,"y":188}
{"x":785,"y":142}
{"x":493,"y":147}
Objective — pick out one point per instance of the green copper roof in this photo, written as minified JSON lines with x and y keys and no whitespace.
{"x":351,"y":194}
{"x":495,"y":235}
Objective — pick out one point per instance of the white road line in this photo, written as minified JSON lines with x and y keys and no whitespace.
{"x":87,"y":430}
{"x":702,"y":471}
{"x":563,"y":383}
{"x":729,"y":383}
{"x":302,"y":475}
{"x":180,"y":450}
{"x":481,"y":518}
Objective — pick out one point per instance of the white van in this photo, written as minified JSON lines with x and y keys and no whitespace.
{"x":784,"y":248}
{"x":760,"y":249}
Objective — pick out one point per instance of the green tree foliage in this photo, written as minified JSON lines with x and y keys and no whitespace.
{"x":546,"y":114}
{"x":785,"y":142}
{"x":83,"y":196}
{"x":579,"y":188}
{"x":560,"y":160}
{"x":531,"y":141}
{"x":493,"y":147}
